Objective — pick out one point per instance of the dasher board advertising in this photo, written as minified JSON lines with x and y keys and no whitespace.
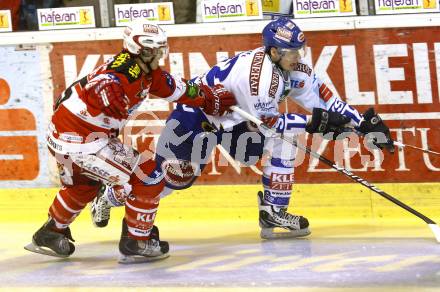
{"x":161,"y":13}
{"x":231,"y":10}
{"x":323,"y":8}
{"x":406,"y":6}
{"x":5,"y":20}
{"x":64,"y":18}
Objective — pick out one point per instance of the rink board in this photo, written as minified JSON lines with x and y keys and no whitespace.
{"x":359,"y":241}
{"x":369,"y":61}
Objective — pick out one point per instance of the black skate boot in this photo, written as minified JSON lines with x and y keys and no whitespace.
{"x":270,"y":219}
{"x":137,"y":251}
{"x":53,"y":243}
{"x":100,"y":208}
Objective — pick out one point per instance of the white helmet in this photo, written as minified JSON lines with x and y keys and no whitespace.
{"x":142,"y":36}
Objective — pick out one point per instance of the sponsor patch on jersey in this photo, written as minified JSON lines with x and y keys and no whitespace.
{"x":274,"y":84}
{"x":134,"y":71}
{"x":95,"y":172}
{"x":54,"y":145}
{"x":70,"y":138}
{"x":123,"y":63}
{"x":284,"y":34}
{"x":120,"y":60}
{"x":254,"y":76}
{"x":303,"y":68}
{"x":264,"y":106}
{"x":297,"y":83}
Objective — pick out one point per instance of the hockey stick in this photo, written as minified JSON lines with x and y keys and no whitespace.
{"x":397,"y":143}
{"x":434,"y":227}
{"x":401,"y":145}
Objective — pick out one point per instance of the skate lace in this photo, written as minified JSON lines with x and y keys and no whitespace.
{"x":288,"y":217}
{"x":102,"y":210}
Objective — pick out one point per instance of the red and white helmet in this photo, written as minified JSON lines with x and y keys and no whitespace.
{"x":141,"y":35}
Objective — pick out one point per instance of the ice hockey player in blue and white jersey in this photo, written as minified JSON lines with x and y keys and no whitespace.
{"x":259,"y":79}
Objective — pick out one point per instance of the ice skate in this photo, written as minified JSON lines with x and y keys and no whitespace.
{"x":270,"y":219}
{"x":138,"y":251}
{"x":49,"y":242}
{"x":100,"y":208}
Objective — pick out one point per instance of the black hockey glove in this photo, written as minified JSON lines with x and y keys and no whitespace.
{"x":326,"y":122}
{"x":375,"y":131}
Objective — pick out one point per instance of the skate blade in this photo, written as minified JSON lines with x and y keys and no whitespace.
{"x":42,"y":250}
{"x":268,"y":233}
{"x":135,"y":259}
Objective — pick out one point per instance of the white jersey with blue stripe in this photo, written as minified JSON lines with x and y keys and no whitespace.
{"x":256,"y":82}
{"x":259,"y":86}
{"x":309,"y":91}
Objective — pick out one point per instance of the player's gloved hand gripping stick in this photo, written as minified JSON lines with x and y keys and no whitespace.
{"x":434,"y":227}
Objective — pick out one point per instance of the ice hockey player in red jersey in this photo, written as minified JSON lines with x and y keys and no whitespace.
{"x":82,"y":136}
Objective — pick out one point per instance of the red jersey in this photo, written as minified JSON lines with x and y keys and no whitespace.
{"x":75,"y":119}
